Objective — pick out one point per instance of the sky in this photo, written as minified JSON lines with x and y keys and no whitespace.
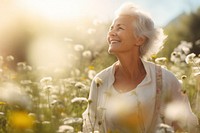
{"x":162,"y":11}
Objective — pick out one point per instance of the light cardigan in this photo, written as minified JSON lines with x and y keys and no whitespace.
{"x":94,"y":116}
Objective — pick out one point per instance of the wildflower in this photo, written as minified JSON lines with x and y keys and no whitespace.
{"x":184,"y":47}
{"x":190,"y":58}
{"x":20,"y":120}
{"x":68,"y":81}
{"x":2,"y":103}
{"x":197,"y":61}
{"x":72,"y":121}
{"x":174,"y":53}
{"x":183,"y":77}
{"x":91,"y":67}
{"x":54,"y":95}
{"x":98,"y":81}
{"x":180,"y":81}
{"x":95,"y":131}
{"x":65,"y":128}
{"x":10,"y":58}
{"x":153,"y":56}
{"x":197,"y":74}
{"x":56,"y":103}
{"x":175,"y":57}
{"x":29,"y":68}
{"x":177,"y":111}
{"x":12,"y":94}
{"x":165,"y":127}
{"x":186,"y":50}
{"x":161,"y":60}
{"x":21,"y":66}
{"x":75,"y":72}
{"x":2,"y":113}
{"x":79,"y":99}
{"x":78,"y":47}
{"x":91,"y":74}
{"x":197,"y":42}
{"x":46,"y":122}
{"x":80,"y":85}
{"x":32,"y":115}
{"x":87,"y":54}
{"x":58,"y":106}
{"x":187,"y":44}
{"x":25,"y":82}
{"x":46,"y":80}
{"x":48,"y":87}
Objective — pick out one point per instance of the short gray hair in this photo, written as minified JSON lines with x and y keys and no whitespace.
{"x":144,"y":27}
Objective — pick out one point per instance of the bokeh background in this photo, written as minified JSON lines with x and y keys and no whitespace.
{"x":50,"y":50}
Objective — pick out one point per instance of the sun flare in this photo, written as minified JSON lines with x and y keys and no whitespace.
{"x":62,"y":9}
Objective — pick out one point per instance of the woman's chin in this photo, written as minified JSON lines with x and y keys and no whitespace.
{"x":111,"y":51}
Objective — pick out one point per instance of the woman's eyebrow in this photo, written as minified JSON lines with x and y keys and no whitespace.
{"x":120,"y":25}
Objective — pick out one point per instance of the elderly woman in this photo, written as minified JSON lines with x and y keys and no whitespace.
{"x":133,"y":95}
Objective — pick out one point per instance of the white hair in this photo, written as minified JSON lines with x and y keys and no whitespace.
{"x":144,"y":27}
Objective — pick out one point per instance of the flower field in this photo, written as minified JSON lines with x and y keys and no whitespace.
{"x":46,"y":69}
{"x":34,"y":100}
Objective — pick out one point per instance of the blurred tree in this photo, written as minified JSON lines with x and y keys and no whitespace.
{"x":194,"y":27}
{"x":184,"y":27}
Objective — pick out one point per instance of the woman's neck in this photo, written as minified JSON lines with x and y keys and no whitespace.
{"x":130,"y":66}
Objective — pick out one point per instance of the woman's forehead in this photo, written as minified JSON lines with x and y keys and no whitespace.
{"x":123,"y":20}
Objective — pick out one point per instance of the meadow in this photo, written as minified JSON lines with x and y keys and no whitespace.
{"x":46,"y":89}
{"x":34,"y":100}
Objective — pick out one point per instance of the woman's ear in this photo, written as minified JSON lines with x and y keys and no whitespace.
{"x":141,"y":41}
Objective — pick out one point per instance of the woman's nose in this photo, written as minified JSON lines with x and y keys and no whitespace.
{"x":111,"y":33}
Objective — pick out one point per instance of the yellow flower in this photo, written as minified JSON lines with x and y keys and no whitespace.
{"x":153,"y":56}
{"x":20,"y":120}
{"x":91,"y":67}
{"x":2,"y":103}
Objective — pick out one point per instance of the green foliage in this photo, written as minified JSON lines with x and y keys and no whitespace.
{"x":184,"y":27}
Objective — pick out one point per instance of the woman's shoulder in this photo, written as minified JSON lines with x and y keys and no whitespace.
{"x":165,"y":71}
{"x":105,"y":72}
{"x":167,"y":75}
{"x":169,"y":80}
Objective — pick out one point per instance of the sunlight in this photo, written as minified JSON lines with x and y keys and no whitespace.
{"x":62,"y":9}
{"x":50,"y":54}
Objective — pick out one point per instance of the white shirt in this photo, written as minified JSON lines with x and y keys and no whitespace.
{"x":102,"y":110}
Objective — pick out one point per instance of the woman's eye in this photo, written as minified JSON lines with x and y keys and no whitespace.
{"x":120,"y":28}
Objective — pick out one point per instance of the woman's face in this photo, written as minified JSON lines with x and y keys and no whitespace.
{"x":121,"y":36}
